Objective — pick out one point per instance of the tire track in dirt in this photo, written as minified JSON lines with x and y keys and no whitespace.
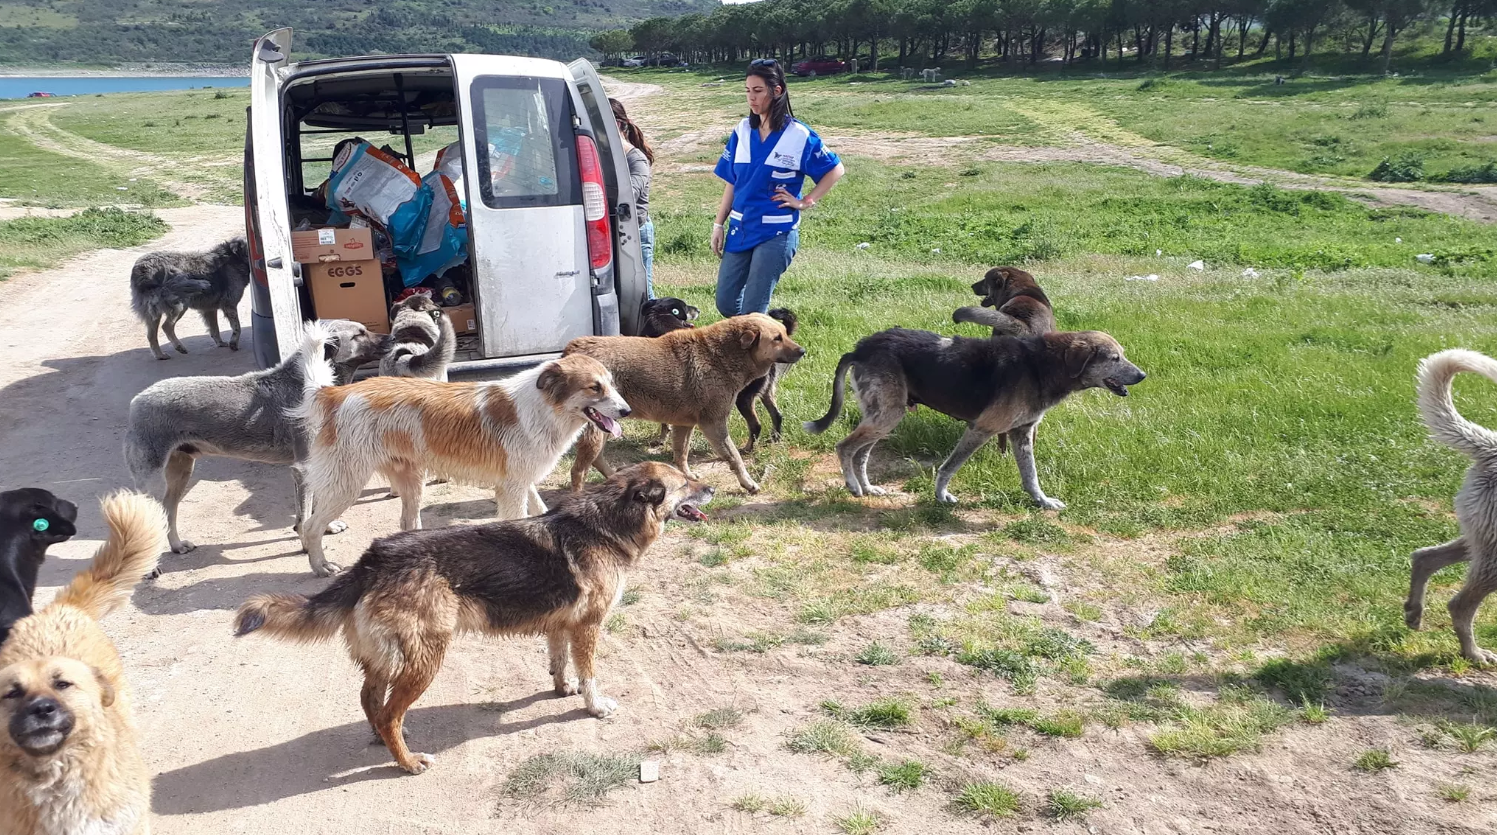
{"x":33,"y":123}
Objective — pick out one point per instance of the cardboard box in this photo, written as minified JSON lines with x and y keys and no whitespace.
{"x":330,"y":244}
{"x":349,"y":290}
{"x":464,"y":320}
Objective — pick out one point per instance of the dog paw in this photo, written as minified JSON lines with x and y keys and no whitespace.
{"x":946,"y":497}
{"x":603,"y":708}
{"x":854,"y":488}
{"x":1482,"y":657}
{"x":750,"y":486}
{"x":1052,"y":504}
{"x":233,"y":346}
{"x":419,"y":763}
{"x":568,"y":687}
{"x":327,"y":569}
{"x":182,"y":547}
{"x":162,"y":357}
{"x":1413,"y":616}
{"x":874,"y":490}
{"x":181,"y":349}
{"x":155,"y":573}
{"x":337,"y":526}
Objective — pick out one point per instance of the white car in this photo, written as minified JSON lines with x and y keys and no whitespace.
{"x":553,"y":243}
{"x":636,"y":61}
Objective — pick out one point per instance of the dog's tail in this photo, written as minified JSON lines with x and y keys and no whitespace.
{"x":411,"y":359}
{"x":137,"y":536}
{"x":786,"y":317}
{"x":1437,"y":407}
{"x":156,"y":288}
{"x":316,"y":360}
{"x":296,"y":617}
{"x":816,"y":427}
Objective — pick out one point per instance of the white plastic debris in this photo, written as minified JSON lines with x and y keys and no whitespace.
{"x":1149,"y":277}
{"x":1198,"y":266}
{"x":936,"y":251}
{"x":950,"y":82}
{"x":1158,"y":253}
{"x":649,"y":771}
{"x":1425,"y":258}
{"x":864,"y":245}
{"x":121,"y":188}
{"x":1398,"y":240}
{"x":1249,"y":273}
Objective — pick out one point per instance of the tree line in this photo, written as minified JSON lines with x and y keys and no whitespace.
{"x":922,"y":33}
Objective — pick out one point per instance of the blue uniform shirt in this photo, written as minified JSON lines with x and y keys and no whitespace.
{"x":757,"y":168}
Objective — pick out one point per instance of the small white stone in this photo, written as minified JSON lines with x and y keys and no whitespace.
{"x":864,"y":245}
{"x":1198,"y":266}
{"x":1425,"y":258}
{"x":1249,"y":273}
{"x":649,"y":771}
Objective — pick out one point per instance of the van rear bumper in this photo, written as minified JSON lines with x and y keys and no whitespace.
{"x":489,"y":369}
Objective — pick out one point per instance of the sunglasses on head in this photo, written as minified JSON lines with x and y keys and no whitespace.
{"x":764,"y":62}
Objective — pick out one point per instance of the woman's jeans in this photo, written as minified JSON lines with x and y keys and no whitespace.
{"x":647,"y":251}
{"x":746,"y":280}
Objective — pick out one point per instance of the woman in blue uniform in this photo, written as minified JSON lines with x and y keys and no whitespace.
{"x":768,"y":157}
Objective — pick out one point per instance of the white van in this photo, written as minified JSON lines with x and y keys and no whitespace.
{"x":552,"y":255}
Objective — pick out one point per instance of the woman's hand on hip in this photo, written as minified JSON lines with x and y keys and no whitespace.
{"x":783,"y":197}
{"x":719,"y":237}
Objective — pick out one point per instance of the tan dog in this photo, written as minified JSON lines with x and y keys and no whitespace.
{"x":686,"y":378}
{"x":509,"y":433}
{"x":69,"y":761}
{"x":558,"y":575}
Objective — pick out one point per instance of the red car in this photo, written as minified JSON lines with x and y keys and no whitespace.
{"x":819,"y":66}
{"x":40,"y":96}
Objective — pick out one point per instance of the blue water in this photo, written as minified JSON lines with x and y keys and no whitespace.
{"x":19,"y":87}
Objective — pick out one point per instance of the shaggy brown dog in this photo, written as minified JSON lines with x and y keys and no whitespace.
{"x":1020,"y":307}
{"x":686,"y":378}
{"x":401,"y":605}
{"x":69,"y":762}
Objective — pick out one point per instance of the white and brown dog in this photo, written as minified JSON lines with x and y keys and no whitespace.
{"x":509,"y":433}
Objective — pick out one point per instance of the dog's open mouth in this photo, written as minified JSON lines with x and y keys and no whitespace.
{"x":603,"y":422}
{"x":691,"y":513}
{"x":1115,"y":387}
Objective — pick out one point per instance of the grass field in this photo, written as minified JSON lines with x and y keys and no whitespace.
{"x":1246,"y":515}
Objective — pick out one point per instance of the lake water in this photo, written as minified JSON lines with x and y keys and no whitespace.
{"x":19,"y":87}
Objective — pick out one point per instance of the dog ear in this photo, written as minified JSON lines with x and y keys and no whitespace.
{"x":651,"y":492}
{"x":549,"y":377}
{"x":106,"y":690}
{"x":331,"y":349}
{"x":1079,"y":354}
{"x":750,"y":335}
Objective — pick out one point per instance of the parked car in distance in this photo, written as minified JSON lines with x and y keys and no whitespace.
{"x":820,"y":65}
{"x":636,"y":61}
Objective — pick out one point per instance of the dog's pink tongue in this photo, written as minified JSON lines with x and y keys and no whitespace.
{"x":692,"y":513}
{"x":612,"y":426}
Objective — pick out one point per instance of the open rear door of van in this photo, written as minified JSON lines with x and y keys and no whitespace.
{"x":272,"y":214}
{"x":628,"y":263}
{"x":531,"y":280}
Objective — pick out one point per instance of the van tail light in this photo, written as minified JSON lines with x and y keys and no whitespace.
{"x":594,"y":204}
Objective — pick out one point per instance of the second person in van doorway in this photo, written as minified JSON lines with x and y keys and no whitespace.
{"x":641,"y":158}
{"x":769,"y":154}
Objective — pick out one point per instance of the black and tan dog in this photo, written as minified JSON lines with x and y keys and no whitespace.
{"x":766,"y":388}
{"x":1020,"y":307}
{"x":31,"y":520}
{"x":556,"y":575}
{"x":997,"y":386}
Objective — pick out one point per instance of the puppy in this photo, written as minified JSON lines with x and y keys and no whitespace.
{"x":422,"y":340}
{"x":31,"y":520}
{"x":509,"y":433}
{"x":1001,"y":385}
{"x":69,"y":760}
{"x":402,"y":603}
{"x":1020,"y":307}
{"x":1475,"y":504}
{"x":766,"y":388}
{"x":661,"y":316}
{"x":686,"y":378}
{"x":163,"y":285}
{"x":176,"y":421}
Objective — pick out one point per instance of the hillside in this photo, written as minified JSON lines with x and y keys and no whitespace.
{"x":220,"y":31}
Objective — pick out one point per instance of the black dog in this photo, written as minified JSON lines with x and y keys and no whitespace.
{"x":765,"y":388}
{"x":31,"y":520}
{"x":661,"y":316}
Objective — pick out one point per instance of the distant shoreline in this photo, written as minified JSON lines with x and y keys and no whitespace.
{"x":151,"y":70}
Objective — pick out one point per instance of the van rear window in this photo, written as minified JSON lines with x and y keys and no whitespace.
{"x":526,"y":148}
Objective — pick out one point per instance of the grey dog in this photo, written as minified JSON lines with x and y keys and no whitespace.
{"x":163,"y":285}
{"x":422,"y":341}
{"x":1475,"y":504}
{"x":175,"y":421}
